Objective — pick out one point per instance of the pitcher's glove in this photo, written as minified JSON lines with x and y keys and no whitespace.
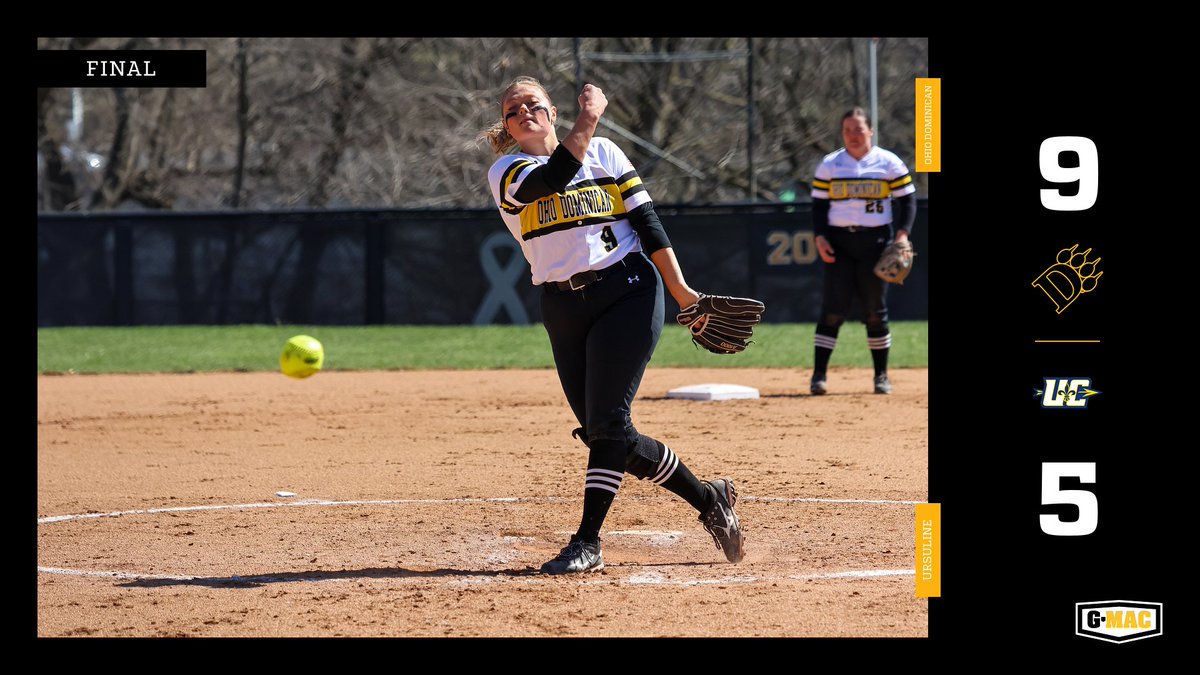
{"x":896,"y":262}
{"x":721,"y":324}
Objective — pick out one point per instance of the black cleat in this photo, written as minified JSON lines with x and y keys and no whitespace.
{"x":817,"y":387}
{"x":577,"y":556}
{"x":882,"y":384}
{"x":722,"y":523}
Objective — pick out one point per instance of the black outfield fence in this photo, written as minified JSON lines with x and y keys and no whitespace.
{"x":395,"y":267}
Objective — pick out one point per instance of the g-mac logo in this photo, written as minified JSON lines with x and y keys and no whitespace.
{"x":1066,"y":393}
{"x":1118,"y":620}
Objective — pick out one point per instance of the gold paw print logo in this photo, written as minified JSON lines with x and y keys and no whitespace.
{"x":1069,"y":277}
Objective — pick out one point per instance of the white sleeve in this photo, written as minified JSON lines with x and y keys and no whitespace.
{"x":629,"y":183}
{"x":505,"y":177}
{"x":899,"y":179}
{"x":820,"y":184}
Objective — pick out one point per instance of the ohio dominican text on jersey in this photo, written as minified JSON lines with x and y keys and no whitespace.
{"x":589,"y":217}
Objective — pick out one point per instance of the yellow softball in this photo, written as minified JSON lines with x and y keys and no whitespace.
{"x":302,"y":356}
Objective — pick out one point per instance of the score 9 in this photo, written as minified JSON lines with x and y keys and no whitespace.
{"x":1087,"y":174}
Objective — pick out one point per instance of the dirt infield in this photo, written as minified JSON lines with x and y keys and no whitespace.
{"x":426,"y":500}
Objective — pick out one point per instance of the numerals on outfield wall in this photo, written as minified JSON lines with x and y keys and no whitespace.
{"x":1084,"y":500}
{"x":1087,"y":174}
{"x":791,"y":248}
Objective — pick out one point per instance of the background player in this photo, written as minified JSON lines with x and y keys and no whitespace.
{"x":860,"y":194}
{"x":586,"y":224}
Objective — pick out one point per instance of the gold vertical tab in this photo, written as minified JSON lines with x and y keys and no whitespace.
{"x":929,"y":550}
{"x":929,"y":124}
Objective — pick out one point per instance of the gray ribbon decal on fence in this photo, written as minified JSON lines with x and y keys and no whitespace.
{"x":503,"y":292}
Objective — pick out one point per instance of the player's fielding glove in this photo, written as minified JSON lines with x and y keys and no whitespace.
{"x":721,"y":324}
{"x":896,"y":262}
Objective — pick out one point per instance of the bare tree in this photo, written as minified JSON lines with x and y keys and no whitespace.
{"x":356,"y":63}
{"x":59,"y":186}
{"x":319,"y":122}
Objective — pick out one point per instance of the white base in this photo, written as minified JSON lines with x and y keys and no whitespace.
{"x":713,"y":392}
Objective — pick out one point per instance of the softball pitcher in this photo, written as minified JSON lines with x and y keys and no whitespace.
{"x":596,"y":247}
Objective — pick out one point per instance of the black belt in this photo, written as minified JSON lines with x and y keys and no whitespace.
{"x":582,"y":279}
{"x":856,"y":228}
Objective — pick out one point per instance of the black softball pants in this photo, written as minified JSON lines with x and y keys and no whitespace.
{"x":853,"y":274}
{"x":602,"y":336}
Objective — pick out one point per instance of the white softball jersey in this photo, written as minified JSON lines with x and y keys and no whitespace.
{"x":860,"y":190}
{"x":585,"y":227}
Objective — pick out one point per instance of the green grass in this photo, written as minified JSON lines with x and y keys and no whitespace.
{"x":253,"y":348}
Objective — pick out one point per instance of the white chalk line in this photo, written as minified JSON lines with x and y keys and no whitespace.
{"x":815,"y":500}
{"x":638,"y":578}
{"x":658,"y":578}
{"x":642,"y":578}
{"x":634,"y":533}
{"x":279,"y":505}
{"x":115,"y":575}
{"x":384,"y":502}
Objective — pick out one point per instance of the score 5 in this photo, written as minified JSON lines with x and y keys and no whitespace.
{"x":1085,"y":501}
{"x":1087,"y":174}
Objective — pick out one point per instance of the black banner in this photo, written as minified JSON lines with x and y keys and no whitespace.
{"x":1048,"y":413}
{"x":145,"y":68}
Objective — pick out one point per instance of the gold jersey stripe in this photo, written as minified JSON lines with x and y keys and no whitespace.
{"x":900,"y":182}
{"x":820,"y":185}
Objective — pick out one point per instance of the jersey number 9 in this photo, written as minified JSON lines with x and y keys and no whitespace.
{"x":609,"y":238}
